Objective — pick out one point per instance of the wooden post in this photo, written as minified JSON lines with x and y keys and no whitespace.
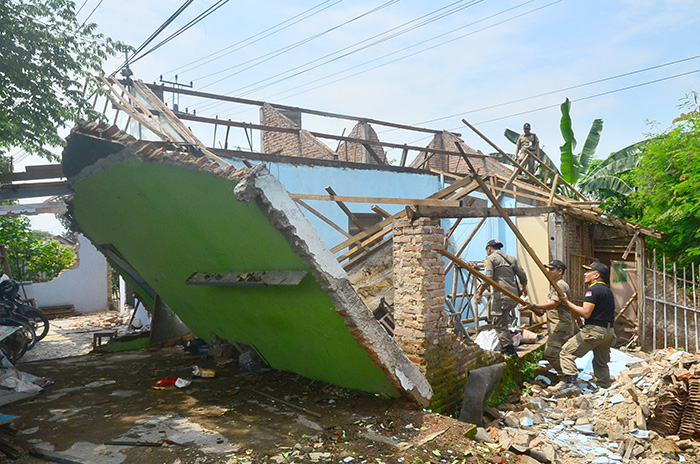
{"x":663,"y":277}
{"x":404,"y":153}
{"x":685,"y":311}
{"x":228,"y":129}
{"x":640,"y":255}
{"x":695,"y":305}
{"x":5,"y":262}
{"x":512,"y":226}
{"x":346,"y":210}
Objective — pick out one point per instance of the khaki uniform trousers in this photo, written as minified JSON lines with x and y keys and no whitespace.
{"x":561,"y":332}
{"x":590,"y":338}
{"x":502,"y":316}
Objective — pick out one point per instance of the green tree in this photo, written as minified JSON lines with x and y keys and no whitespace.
{"x":32,"y":258}
{"x":46,"y":55}
{"x":667,"y":179}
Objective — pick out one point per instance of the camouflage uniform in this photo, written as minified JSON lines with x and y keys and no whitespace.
{"x":503,"y":268}
{"x":528,"y":144}
{"x":560,"y":325}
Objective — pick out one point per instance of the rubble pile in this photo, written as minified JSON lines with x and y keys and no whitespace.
{"x":650,"y":414}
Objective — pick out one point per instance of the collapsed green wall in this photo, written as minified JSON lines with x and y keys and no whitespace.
{"x":169,"y":221}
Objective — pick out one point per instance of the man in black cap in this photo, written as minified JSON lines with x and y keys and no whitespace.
{"x":527,"y":145}
{"x":503,"y":269}
{"x":561,"y":324}
{"x":597,"y":334}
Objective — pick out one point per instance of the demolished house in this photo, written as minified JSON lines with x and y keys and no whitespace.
{"x":257,"y":249}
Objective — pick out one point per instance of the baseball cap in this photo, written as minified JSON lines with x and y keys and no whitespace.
{"x":494,"y":244}
{"x":556,"y":264}
{"x":527,"y":124}
{"x":600,"y":267}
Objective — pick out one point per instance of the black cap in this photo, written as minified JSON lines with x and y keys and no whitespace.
{"x":600,"y":267}
{"x":556,"y":264}
{"x":527,"y":124}
{"x":494,"y":244}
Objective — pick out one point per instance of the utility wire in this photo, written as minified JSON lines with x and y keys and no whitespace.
{"x":81,"y":7}
{"x":564,"y":89}
{"x":184,"y":28}
{"x":602,"y":94}
{"x":409,"y":47}
{"x":155,"y":33}
{"x":246,"y":42}
{"x":413,"y":27}
{"x":283,"y":50}
{"x":88,"y":16}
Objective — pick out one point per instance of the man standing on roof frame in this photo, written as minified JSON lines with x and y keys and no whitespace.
{"x":597,"y":334}
{"x":503,"y":269}
{"x":528,"y":145}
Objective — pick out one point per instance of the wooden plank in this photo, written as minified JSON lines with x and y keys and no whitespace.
{"x":380,"y":211}
{"x":512,"y":226}
{"x":464,"y":265}
{"x":381,"y":200}
{"x":47,"y":171}
{"x":345,"y":209}
{"x":366,"y":233}
{"x":365,"y":243}
{"x":471,"y":212}
{"x":629,"y":247}
{"x":54,"y":456}
{"x":404,"y":153}
{"x":324,"y":218}
{"x":373,"y":153}
{"x":625,"y":306}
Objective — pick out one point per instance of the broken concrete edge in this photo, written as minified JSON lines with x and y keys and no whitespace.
{"x":281,"y":210}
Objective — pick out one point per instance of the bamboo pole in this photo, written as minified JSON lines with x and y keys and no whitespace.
{"x":685,"y":313}
{"x":464,"y":265}
{"x":695,"y":305}
{"x":512,"y":226}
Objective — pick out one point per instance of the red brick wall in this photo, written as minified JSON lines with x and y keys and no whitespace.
{"x":302,"y":144}
{"x":355,"y":152}
{"x":423,"y":329}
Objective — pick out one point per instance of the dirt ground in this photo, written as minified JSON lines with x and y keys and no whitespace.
{"x":235,"y":417}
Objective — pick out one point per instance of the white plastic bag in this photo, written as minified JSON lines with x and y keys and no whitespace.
{"x":488,"y":340}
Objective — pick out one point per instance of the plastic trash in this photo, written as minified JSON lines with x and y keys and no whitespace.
{"x":182,"y":383}
{"x":204,"y":373}
{"x":251,"y":361}
{"x":166,"y":381}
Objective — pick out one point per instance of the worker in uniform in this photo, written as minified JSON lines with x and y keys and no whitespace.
{"x":527,"y":145}
{"x":502,"y":269}
{"x":597,"y":333}
{"x":561,"y":323}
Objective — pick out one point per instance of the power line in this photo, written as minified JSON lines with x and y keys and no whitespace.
{"x":654,"y":81}
{"x":81,"y":8}
{"x":156,"y":32}
{"x":413,"y":46}
{"x":425,"y":21}
{"x":91,"y":13}
{"x":245,"y":42}
{"x":288,"y":48}
{"x":184,"y":28}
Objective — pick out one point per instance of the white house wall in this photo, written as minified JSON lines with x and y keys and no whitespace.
{"x":84,"y":287}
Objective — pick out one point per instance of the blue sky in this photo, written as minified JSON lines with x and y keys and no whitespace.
{"x":487,"y":55}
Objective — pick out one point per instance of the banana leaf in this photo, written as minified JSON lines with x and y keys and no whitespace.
{"x":569,"y":163}
{"x":589,"y":147}
{"x":606,"y":182}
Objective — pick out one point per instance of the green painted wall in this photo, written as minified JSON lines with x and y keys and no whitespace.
{"x":169,"y":221}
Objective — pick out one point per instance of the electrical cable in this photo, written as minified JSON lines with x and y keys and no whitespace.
{"x":91,"y":13}
{"x":245,"y":42}
{"x":286,"y":49}
{"x":184,"y":28}
{"x":427,"y":21}
{"x":412,"y":46}
{"x":155,"y":33}
{"x":81,"y":7}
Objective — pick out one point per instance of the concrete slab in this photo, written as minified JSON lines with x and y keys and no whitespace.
{"x":169,"y":215}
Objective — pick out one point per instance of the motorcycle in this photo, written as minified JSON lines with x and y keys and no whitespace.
{"x":32,"y":323}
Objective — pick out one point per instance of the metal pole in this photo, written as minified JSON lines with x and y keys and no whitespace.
{"x":663,"y":278}
{"x":675,"y":305}
{"x":654,"y":313}
{"x":685,"y":313}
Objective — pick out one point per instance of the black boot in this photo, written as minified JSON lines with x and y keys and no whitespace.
{"x":570,"y":387}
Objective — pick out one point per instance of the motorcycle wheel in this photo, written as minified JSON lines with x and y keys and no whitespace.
{"x":40,"y":325}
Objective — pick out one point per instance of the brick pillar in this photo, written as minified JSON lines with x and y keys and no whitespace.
{"x":422,"y":324}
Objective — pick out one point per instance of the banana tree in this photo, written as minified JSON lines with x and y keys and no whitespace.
{"x":574,"y":167}
{"x":606,"y":174}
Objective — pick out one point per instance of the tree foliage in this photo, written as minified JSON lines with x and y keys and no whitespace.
{"x":667,"y":180}
{"x":30,"y":257}
{"x":46,"y":57}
